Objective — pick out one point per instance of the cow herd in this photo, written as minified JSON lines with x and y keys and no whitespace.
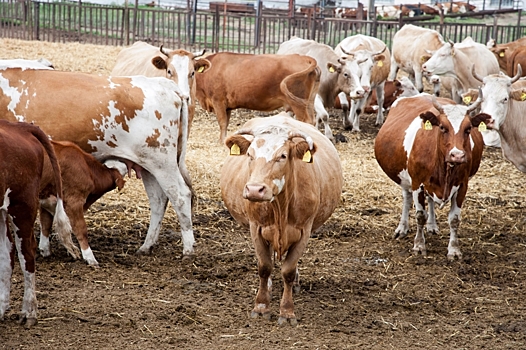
{"x":67,"y":138}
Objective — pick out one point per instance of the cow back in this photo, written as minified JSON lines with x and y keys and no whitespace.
{"x":411,"y":43}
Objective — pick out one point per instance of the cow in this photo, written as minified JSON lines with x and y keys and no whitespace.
{"x":392,"y":91}
{"x":339,"y":74}
{"x":135,"y":120}
{"x":283,"y":179}
{"x":409,"y":49}
{"x":503,"y":51}
{"x":178,"y":65}
{"x":431,"y":147}
{"x":289,"y":81}
{"x":84,"y":181}
{"x":350,"y":13}
{"x":374,"y":61}
{"x":458,"y":61}
{"x":516,"y":58}
{"x":454,"y":7}
{"x":22,"y":150}
{"x":504,"y":100}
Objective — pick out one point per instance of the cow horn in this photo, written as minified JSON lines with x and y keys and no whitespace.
{"x":164,"y":51}
{"x":437,"y":105}
{"x":307,"y":138}
{"x":518,"y":75}
{"x":379,"y":52}
{"x":477,"y":102}
{"x":452,"y":43}
{"x":475,"y":75}
{"x":199,"y":53}
{"x":345,"y":52}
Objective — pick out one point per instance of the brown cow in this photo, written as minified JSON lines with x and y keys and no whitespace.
{"x":22,"y":149}
{"x":517,"y":57}
{"x":431,"y":148}
{"x":84,"y":181}
{"x":259,"y":82}
{"x":503,"y":51}
{"x":283,"y":179}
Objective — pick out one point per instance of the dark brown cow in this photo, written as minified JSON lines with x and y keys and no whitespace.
{"x":259,"y":82}
{"x":84,"y":181}
{"x":431,"y":149}
{"x":283,"y":179}
{"x":22,"y":148}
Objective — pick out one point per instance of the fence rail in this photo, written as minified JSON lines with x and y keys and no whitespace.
{"x":216,"y":30}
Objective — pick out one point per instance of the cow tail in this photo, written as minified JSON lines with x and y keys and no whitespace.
{"x":61,"y":220}
{"x":181,"y":149}
{"x":300,"y":102}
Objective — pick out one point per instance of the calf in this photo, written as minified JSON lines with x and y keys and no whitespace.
{"x":431,"y":148}
{"x":22,"y":148}
{"x":84,"y":181}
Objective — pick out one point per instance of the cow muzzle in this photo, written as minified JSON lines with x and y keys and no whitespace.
{"x":257,"y":193}
{"x":456,"y":157}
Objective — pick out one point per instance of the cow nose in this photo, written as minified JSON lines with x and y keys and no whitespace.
{"x":359,"y":93}
{"x":366,"y":88}
{"x":255,"y":192}
{"x":457,"y":157}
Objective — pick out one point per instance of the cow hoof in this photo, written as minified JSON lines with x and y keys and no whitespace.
{"x":264,"y":315}
{"x":451,"y":256}
{"x":144,"y":251}
{"x":27,"y":322}
{"x":399,"y":235}
{"x":423,"y":251}
{"x":188,"y":257}
{"x":292,"y":320}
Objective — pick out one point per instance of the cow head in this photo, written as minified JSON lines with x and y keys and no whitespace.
{"x":407,"y":87}
{"x":348,"y":78}
{"x":119,"y":170}
{"x":442,"y":61}
{"x":181,"y":65}
{"x":454,"y":125}
{"x":366,"y":61}
{"x":499,"y":93}
{"x":271,"y":153}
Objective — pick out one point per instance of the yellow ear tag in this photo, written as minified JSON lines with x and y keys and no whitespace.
{"x":201,"y":69}
{"x":307,"y":157}
{"x":234,"y":150}
{"x":482,"y":127}
{"x":467,"y":99}
{"x":380,"y":64}
{"x":331,"y":69}
{"x":427,"y":125}
{"x":523,"y":96}
{"x":501,"y":54}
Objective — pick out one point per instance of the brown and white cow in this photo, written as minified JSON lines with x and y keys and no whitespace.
{"x":503,"y":51}
{"x":431,"y":148}
{"x":84,"y":181}
{"x":339,"y":75}
{"x":374,"y":61}
{"x":178,"y":65}
{"x":283,"y":179}
{"x":135,"y":120}
{"x":410,"y":49}
{"x":22,"y":151}
{"x":258,"y":82}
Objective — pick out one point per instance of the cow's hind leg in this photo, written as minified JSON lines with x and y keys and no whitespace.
{"x":323,"y":115}
{"x":380,"y":99}
{"x":453,"y":249}
{"x":75,"y":212}
{"x":421,"y":218}
{"x":264,"y":254}
{"x":403,"y":226}
{"x":6,"y":259}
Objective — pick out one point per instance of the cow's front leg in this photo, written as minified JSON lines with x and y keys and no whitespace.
{"x":264,"y":254}
{"x":431,"y":225}
{"x":7,"y":249}
{"x":453,"y":249}
{"x":380,"y":99}
{"x":403,"y":226}
{"x":421,"y":218}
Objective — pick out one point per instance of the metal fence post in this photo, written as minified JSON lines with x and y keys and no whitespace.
{"x":257,"y":32}
{"x":36,"y":21}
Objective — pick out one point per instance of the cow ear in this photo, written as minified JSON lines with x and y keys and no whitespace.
{"x":397,"y":83}
{"x":429,"y":120}
{"x":332,"y":68}
{"x":301,"y":151}
{"x":237,"y":144}
{"x":120,"y":183}
{"x":424,"y":58}
{"x":518,"y":94}
{"x":202,"y":65}
{"x":470,"y":96}
{"x":481,"y":120}
{"x":159,"y":63}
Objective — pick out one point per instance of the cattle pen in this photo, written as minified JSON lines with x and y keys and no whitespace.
{"x":216,"y":29}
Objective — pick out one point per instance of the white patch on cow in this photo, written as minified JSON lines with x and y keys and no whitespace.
{"x":112,"y":85}
{"x":24,"y":64}
{"x":181,"y":64}
{"x":5,"y":259}
{"x":87,"y":255}
{"x":405,"y":179}
{"x":280,"y":183}
{"x":441,"y":202}
{"x":44,"y":245}
{"x":455,"y":114}
{"x":274,"y":138}
{"x":13,"y":94}
{"x":410,"y":134}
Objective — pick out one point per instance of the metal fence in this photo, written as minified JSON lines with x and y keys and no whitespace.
{"x":252,"y":31}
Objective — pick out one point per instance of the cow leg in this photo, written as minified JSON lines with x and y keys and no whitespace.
{"x":358,"y":106}
{"x":394,"y":69}
{"x":347,"y":123}
{"x":223,"y":118}
{"x":75,"y":213}
{"x":6,"y":259}
{"x":323,"y":115}
{"x":418,"y":79}
{"x":380,"y":99}
{"x":431,"y":225}
{"x":453,"y":249}
{"x":353,"y":118}
{"x":403,"y":226}
{"x":421,"y":218}
{"x":264,"y":254}
{"x":46,"y":224}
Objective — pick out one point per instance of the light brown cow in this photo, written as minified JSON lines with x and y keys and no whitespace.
{"x":409,"y":49}
{"x":22,"y":151}
{"x":516,"y":59}
{"x":283,"y":179}
{"x":259,"y":82}
{"x":431,"y":148}
{"x":84,"y":181}
{"x":503,"y":51}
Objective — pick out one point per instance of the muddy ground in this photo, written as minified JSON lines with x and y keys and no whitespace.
{"x":360,"y":288}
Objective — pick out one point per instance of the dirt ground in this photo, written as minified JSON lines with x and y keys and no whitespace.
{"x":360,"y":288}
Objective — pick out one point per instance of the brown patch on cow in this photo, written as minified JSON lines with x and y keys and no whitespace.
{"x":153,"y":140}
{"x":111,"y":144}
{"x":260,"y":143}
{"x":158,"y":115}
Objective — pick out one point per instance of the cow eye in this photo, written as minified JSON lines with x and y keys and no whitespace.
{"x":443,"y":129}
{"x":283,"y":157}
{"x":468,"y":130}
{"x":505,"y":100}
{"x":169,"y":72}
{"x":346,"y":75}
{"x":192,"y":74}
